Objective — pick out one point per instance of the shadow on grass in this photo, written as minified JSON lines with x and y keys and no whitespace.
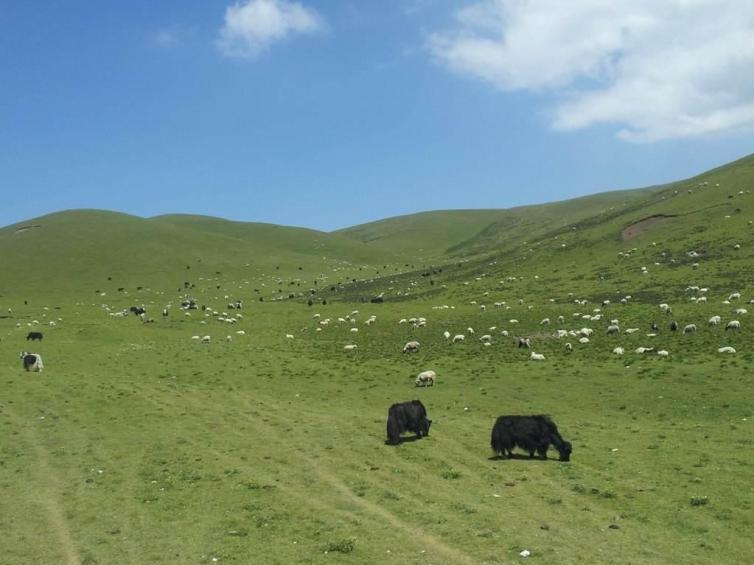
{"x":522,"y":457}
{"x":408,"y":439}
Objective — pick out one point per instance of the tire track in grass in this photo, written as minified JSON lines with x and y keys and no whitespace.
{"x":373,"y":508}
{"x":413,"y":532}
{"x":419,"y":536}
{"x":48,"y":489}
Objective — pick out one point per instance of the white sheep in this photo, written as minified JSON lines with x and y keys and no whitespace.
{"x":426,"y":378}
{"x":446,"y":334}
{"x":536,"y":357}
{"x":619,"y":351}
{"x":663,"y":353}
{"x":714,"y":320}
{"x":458,"y":338}
{"x":733,"y":325}
{"x":644,"y":349}
{"x":689,"y":328}
{"x":206,"y":339}
{"x":486,"y":338}
{"x":350,"y":347}
{"x":411,"y":347}
{"x":584,"y":339}
{"x":726,"y":349}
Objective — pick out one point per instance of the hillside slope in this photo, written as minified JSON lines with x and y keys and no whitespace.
{"x":696,"y":232}
{"x":458,"y":233}
{"x":67,"y":250}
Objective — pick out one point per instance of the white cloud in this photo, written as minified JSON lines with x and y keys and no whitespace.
{"x":252,"y":26}
{"x":166,"y":37}
{"x":659,"y":69}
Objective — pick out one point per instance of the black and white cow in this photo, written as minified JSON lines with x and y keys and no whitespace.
{"x":32,"y":361}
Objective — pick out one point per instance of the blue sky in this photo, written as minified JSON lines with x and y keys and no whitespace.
{"x":332,"y":113}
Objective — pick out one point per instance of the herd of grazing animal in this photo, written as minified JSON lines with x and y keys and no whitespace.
{"x":534,"y":434}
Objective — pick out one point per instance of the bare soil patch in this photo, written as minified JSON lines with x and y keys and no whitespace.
{"x":642,"y":226}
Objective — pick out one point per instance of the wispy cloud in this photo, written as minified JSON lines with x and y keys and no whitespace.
{"x":167,"y":37}
{"x":659,"y":69}
{"x":251,"y":27}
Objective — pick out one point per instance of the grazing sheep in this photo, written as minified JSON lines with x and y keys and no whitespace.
{"x":426,"y":378}
{"x":619,"y":351}
{"x":673,"y":326}
{"x":524,"y":342}
{"x":714,"y":320}
{"x":644,"y":349}
{"x":613,"y":330}
{"x":734,"y":296}
{"x":689,"y":328}
{"x":470,"y":331}
{"x":733,"y":325}
{"x":411,"y":347}
{"x":584,"y":339}
{"x":663,"y":353}
{"x":350,"y":347}
{"x":741,"y":311}
{"x":726,"y":349}
{"x":486,"y":338}
{"x":446,"y":334}
{"x":206,"y":339}
{"x":544,"y":322}
{"x":536,"y":357}
{"x":458,"y":338}
{"x":288,"y":336}
{"x":568,"y":347}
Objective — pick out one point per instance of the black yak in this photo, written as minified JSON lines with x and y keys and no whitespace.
{"x":407,"y":417}
{"x":34,"y":335}
{"x":532,"y":433}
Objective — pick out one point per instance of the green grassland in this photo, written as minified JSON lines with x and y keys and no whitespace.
{"x":139,"y":444}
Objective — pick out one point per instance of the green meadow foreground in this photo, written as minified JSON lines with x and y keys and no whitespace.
{"x":140,"y":444}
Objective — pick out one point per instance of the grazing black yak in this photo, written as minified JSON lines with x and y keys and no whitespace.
{"x":407,"y":417}
{"x":532,"y":433}
{"x":34,"y":335}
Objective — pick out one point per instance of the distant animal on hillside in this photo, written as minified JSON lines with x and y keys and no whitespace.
{"x":411,"y":347}
{"x":531,"y":433}
{"x":426,"y":378}
{"x":524,"y":342}
{"x":673,"y":326}
{"x":34,"y":336}
{"x":32,"y":361}
{"x":138,"y":310}
{"x":408,"y":416}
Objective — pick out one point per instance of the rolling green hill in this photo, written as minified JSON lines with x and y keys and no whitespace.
{"x":68,"y":250}
{"x":459,"y":233}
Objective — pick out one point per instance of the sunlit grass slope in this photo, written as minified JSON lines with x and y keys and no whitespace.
{"x":67,"y":250}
